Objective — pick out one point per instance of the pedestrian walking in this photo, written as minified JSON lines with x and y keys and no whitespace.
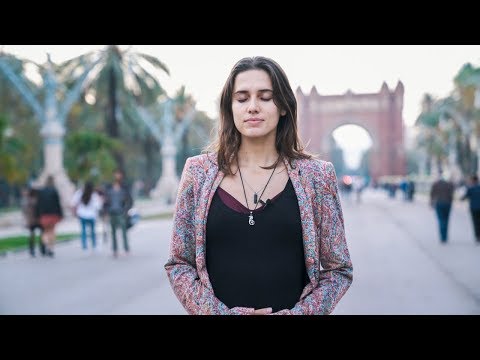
{"x":118,"y":201}
{"x":50,"y":213}
{"x":87,"y":203}
{"x":32,"y":222}
{"x":441,"y":197}
{"x":473,"y":196}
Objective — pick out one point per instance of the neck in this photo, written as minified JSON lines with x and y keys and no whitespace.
{"x":254,"y":154}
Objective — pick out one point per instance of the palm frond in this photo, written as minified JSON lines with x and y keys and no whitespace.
{"x":155,"y":62}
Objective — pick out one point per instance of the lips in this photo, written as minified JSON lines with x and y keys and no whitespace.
{"x":254,"y":120}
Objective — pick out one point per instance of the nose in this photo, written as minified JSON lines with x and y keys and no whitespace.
{"x":253,"y":106}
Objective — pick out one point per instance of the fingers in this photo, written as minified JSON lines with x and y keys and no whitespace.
{"x":264,"y":311}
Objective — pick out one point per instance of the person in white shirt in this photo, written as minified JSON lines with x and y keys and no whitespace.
{"x":87,"y":203}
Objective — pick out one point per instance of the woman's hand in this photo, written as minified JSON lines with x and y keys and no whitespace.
{"x":264,"y":311}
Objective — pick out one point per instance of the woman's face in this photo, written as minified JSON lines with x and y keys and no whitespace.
{"x":254,"y":112}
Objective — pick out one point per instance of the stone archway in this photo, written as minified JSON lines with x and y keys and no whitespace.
{"x":378,"y":113}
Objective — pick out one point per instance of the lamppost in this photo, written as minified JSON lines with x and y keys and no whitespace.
{"x":168,"y":183}
{"x":448,"y":125}
{"x":51,"y":115}
{"x":168,"y":134}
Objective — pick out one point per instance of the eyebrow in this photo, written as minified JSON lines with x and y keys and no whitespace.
{"x":241,"y":92}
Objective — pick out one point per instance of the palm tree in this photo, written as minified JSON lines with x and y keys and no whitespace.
{"x":122,"y":80}
{"x":467,"y":84}
{"x":430,"y":138}
{"x":89,"y":155}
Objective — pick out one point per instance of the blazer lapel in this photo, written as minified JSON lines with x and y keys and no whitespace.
{"x":212,"y":181}
{"x":306,"y":214}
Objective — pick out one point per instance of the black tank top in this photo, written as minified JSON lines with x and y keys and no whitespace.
{"x":257,"y":266}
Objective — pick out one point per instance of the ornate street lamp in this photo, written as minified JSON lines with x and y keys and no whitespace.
{"x":168,"y":134}
{"x":51,"y":115}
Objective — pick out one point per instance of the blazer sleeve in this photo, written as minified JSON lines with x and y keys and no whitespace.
{"x":337,"y":273}
{"x":181,"y":269}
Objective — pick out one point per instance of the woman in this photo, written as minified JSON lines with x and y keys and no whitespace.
{"x":29,"y":204}
{"x":50,"y":212}
{"x":87,"y":203}
{"x":258,"y":225}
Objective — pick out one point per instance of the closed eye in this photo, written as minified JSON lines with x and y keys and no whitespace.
{"x":243,"y":100}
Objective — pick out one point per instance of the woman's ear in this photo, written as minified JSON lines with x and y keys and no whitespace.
{"x":283,"y":112}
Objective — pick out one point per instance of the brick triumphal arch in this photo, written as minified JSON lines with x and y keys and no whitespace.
{"x":378,"y":113}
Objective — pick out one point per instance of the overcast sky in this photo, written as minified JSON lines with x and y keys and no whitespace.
{"x":333,"y":69}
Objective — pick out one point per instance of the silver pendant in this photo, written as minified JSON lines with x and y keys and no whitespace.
{"x":250,"y":220}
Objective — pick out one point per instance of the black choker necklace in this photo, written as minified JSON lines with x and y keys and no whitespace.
{"x":255,"y":199}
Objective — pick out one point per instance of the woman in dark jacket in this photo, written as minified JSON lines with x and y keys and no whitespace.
{"x":49,"y":212}
{"x":29,"y":205}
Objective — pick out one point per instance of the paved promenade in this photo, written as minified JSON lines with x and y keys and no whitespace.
{"x":400,"y":267}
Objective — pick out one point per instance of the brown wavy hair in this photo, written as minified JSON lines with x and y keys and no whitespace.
{"x":287,"y":142}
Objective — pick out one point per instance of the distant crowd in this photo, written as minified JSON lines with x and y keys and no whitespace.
{"x":112,"y":203}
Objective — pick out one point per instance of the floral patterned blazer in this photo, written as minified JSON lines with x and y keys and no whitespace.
{"x":327,"y":258}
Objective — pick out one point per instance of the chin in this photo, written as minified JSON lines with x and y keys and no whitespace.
{"x":254,"y":134}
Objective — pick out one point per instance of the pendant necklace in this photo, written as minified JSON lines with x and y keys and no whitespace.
{"x":256,"y":200}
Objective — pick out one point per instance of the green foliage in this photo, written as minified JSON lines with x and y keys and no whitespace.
{"x":468,"y":76}
{"x":10,"y":148}
{"x":89,"y":155}
{"x":430,"y":119}
{"x":25,"y":143}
